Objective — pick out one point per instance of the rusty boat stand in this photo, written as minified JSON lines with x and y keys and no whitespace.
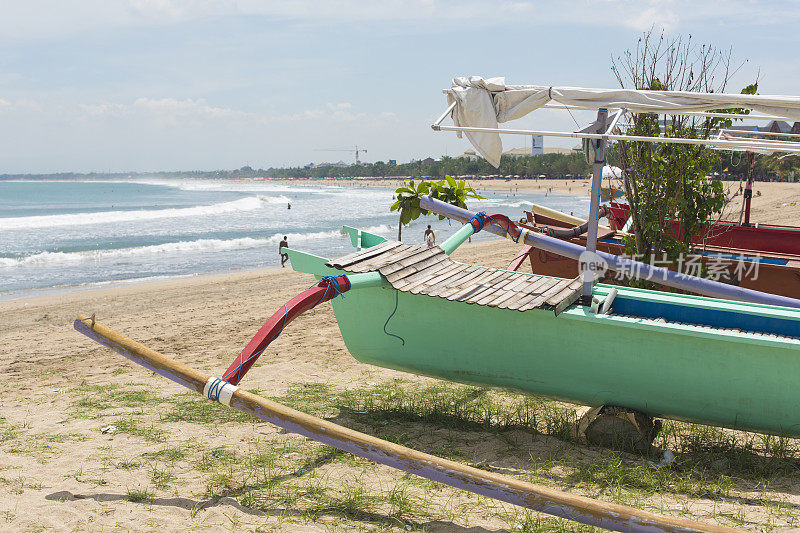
{"x":504,"y":488}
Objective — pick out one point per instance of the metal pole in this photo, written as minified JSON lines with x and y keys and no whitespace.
{"x":748,"y":189}
{"x":636,"y":269}
{"x":587,"y":265}
{"x":772,"y":146}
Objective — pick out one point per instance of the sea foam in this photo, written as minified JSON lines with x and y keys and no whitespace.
{"x":179,"y":247}
{"x":250,"y":203}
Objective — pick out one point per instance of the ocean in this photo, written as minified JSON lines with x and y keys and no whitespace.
{"x":64,"y":235}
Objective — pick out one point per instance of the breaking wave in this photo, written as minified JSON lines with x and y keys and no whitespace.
{"x":180,"y":247}
{"x":104,"y":217}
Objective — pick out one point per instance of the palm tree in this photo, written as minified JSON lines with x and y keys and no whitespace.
{"x":454,"y":192}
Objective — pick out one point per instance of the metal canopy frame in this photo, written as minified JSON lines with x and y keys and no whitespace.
{"x":601,"y":131}
{"x":720,"y":142}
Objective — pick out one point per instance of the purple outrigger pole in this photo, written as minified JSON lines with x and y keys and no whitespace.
{"x":637,"y":269}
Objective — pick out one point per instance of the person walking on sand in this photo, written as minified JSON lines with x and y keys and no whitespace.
{"x":284,"y":257}
{"x":430,"y":237}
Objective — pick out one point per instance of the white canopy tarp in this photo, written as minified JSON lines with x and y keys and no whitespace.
{"x":483,"y":103}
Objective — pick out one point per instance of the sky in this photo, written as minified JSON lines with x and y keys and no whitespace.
{"x":164,"y":85}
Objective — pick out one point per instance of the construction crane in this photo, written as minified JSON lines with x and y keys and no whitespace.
{"x":355,"y":150}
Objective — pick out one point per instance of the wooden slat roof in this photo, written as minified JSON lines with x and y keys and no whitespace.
{"x":424,"y":270}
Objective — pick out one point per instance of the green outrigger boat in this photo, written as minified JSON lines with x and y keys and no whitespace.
{"x":666,"y":355}
{"x":730,"y":357}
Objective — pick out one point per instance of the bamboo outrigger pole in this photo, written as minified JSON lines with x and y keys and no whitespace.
{"x":536,"y":497}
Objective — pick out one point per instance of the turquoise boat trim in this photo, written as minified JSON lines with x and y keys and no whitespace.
{"x":362,"y":239}
{"x":310,"y":263}
{"x":367,"y":279}
{"x":705,"y":302}
{"x":457,"y":239}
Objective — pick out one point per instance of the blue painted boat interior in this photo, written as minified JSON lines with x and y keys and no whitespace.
{"x":714,"y":318}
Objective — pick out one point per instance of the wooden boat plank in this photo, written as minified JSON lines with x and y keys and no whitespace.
{"x":459,"y":285}
{"x":441,"y":276}
{"x":387,"y":257}
{"x":363,"y":254}
{"x":533,"y":304}
{"x":497,"y":286}
{"x":423,"y":274}
{"x":420,"y":285}
{"x":502,"y":291}
{"x":413,"y":268}
{"x":532,"y":287}
{"x":454,"y":282}
{"x":360,"y":255}
{"x":488,"y":284}
{"x":489,"y":292}
{"x":521,"y":281}
{"x":372,"y":263}
{"x":450,"y":281}
{"x":566,"y":302}
{"x":466,"y":288}
{"x":467,"y":282}
{"x":564,"y":293}
{"x":445,"y":278}
{"x":420,"y":253}
{"x":504,"y":280}
{"x":496,"y":302}
{"x":467,"y":292}
{"x":531,"y":297}
{"x":520,"y":291}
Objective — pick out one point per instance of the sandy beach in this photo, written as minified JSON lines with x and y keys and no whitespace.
{"x":169,"y":460}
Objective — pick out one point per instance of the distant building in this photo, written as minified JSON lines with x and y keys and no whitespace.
{"x":537,"y":145}
{"x":428,"y":160}
{"x":469,"y":154}
{"x":773,"y":126}
{"x":526,"y":152}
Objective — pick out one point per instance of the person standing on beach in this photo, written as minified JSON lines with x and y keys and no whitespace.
{"x":430,"y":237}
{"x":284,"y":257}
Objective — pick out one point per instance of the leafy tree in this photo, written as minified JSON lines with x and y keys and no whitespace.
{"x":449,"y":190}
{"x":668,"y":181}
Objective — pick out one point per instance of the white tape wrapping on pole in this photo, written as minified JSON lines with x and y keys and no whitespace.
{"x":219,"y":391}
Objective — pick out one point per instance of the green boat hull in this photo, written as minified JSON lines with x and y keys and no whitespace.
{"x":725,"y":378}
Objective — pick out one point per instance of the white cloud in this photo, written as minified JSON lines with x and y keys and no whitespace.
{"x":24,"y":20}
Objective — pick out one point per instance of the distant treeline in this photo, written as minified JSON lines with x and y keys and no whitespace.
{"x":550,"y":165}
{"x":765,"y":167}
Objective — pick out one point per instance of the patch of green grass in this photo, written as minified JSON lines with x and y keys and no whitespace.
{"x":717,"y":452}
{"x":190,"y":408}
{"x":133,"y":427}
{"x":313,"y":398}
{"x":128,"y":464}
{"x":455,"y":407}
{"x":97,"y":398}
{"x":212,"y":459}
{"x":62,"y":437}
{"x":169,"y":454}
{"x":161,"y":478}
{"x":8,"y":433}
{"x":615,"y":472}
{"x":139,"y":496}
